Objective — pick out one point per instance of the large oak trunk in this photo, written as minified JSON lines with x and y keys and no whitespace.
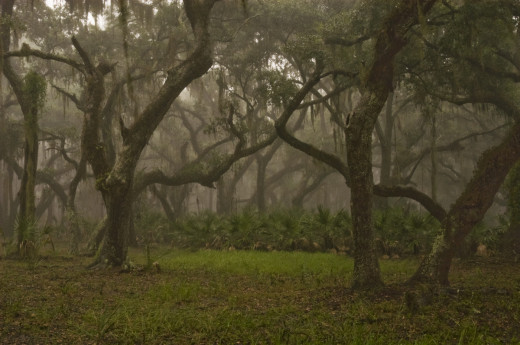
{"x":359,"y":156}
{"x":115,"y":179}
{"x":119,"y":218}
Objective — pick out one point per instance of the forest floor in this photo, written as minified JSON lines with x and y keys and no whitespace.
{"x":212,"y":297}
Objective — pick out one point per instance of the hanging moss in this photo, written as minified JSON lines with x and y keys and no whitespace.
{"x":35,"y":89}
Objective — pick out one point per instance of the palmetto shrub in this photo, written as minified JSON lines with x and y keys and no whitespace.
{"x":398,"y":232}
{"x":404,"y":233}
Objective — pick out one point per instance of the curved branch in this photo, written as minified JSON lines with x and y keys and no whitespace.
{"x":435,"y":209}
{"x":197,"y":172}
{"x":70,"y":96}
{"x":321,"y":98}
{"x":28,"y":51}
{"x":280,"y":125}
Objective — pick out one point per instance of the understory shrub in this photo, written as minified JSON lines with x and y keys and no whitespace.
{"x":401,"y":232}
{"x":398,"y":232}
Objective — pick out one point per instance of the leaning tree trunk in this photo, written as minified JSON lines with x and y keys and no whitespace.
{"x":469,"y":209}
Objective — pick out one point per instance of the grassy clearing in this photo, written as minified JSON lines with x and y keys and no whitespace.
{"x":243,"y":297}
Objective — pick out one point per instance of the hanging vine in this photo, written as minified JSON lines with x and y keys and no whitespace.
{"x":124,"y":13}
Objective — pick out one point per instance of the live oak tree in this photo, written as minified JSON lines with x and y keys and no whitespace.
{"x":376,"y":82}
{"x":116,"y":182}
{"x":478,"y":68}
{"x":267,"y":67}
{"x":115,"y":179}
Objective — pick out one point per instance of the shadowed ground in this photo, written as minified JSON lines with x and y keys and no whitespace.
{"x":213,"y":297}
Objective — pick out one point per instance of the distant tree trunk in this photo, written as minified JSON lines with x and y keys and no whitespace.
{"x":307,"y":188}
{"x":167,"y":208}
{"x":70,"y":209}
{"x":178,"y":197}
{"x":433,"y":157}
{"x":261,"y":168}
{"x":470,"y":208}
{"x":225,"y":196}
{"x":26,"y":214}
{"x":12,"y":205}
{"x":262,"y":161}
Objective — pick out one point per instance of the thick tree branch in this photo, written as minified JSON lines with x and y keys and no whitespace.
{"x":435,"y":209}
{"x":281,"y":122}
{"x":204,"y":174}
{"x":28,"y":51}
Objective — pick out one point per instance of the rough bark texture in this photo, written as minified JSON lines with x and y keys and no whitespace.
{"x":27,"y":212}
{"x":470,"y":208}
{"x":116,"y":182}
{"x":377,"y":86}
{"x":359,"y":156}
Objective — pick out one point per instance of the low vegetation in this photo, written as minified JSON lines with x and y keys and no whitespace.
{"x":248,"y":297}
{"x":399,"y":233}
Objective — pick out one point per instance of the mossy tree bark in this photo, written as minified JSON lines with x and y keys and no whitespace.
{"x":27,"y":211}
{"x":116,"y":182}
{"x":359,"y":155}
{"x":375,"y":91}
{"x":376,"y":86}
{"x":30,"y":94}
{"x":470,"y":208}
{"x":262,"y":161}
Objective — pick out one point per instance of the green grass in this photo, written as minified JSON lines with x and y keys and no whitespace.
{"x":254,"y":262}
{"x":244,"y":297}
